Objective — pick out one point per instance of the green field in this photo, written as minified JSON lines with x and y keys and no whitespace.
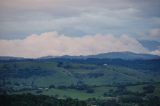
{"x":90,"y":82}
{"x":44,"y":74}
{"x":83,"y":95}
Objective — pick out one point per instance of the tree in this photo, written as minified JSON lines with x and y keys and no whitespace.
{"x":149,"y":89}
{"x":112,"y":102}
{"x":90,"y":90}
{"x":52,"y":86}
{"x":152,"y":101}
{"x":60,"y":64}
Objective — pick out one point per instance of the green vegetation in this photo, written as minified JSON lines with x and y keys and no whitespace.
{"x":46,"y":73}
{"x":40,"y":100}
{"x":92,"y":84}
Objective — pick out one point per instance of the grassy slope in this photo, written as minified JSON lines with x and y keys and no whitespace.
{"x":82,"y":95}
{"x":68,"y":76}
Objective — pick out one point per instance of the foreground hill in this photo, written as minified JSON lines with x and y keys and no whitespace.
{"x":95,"y":82}
{"x":43,"y":73}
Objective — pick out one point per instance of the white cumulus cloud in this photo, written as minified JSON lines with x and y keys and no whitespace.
{"x":52,"y":43}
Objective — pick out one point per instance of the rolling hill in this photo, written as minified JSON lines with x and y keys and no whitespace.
{"x":45,"y":73}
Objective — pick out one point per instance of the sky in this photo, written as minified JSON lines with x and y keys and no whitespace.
{"x":35,"y":28}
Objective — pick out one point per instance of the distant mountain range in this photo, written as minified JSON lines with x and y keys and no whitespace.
{"x":110,"y":55}
{"x":124,"y":55}
{"x":11,"y":58}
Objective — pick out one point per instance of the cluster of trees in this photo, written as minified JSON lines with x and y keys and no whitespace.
{"x":128,"y":98}
{"x":64,"y":65}
{"x":99,"y":102}
{"x":152,"y":65}
{"x":37,"y":100}
{"x":136,"y":100}
{"x":118,"y":97}
{"x":14,"y":70}
{"x":95,"y":75}
{"x":126,"y":101}
{"x":79,"y":86}
{"x":122,"y":90}
{"x":149,"y":89}
{"x":42,"y":100}
{"x":68,"y":65}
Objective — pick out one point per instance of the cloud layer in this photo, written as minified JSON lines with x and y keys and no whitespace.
{"x":19,"y":18}
{"x":52,"y":43}
{"x":155,"y":33}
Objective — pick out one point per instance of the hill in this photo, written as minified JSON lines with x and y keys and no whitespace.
{"x":110,"y":55}
{"x":36,"y":73}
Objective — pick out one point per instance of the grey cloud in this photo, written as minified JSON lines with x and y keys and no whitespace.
{"x":24,"y":17}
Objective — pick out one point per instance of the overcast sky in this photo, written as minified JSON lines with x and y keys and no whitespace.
{"x":76,"y":19}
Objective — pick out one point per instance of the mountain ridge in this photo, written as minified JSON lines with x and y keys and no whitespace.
{"x":110,"y":55}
